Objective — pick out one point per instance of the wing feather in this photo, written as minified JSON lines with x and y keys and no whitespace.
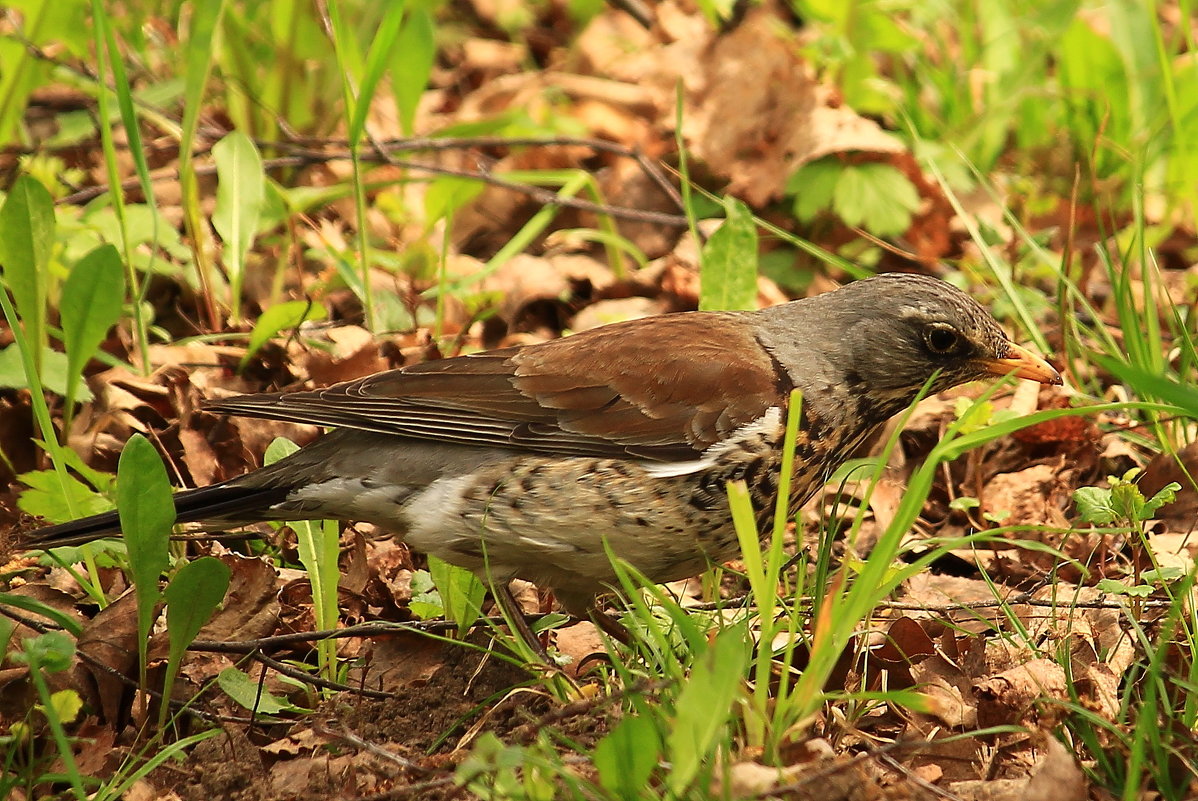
{"x":598,"y":393}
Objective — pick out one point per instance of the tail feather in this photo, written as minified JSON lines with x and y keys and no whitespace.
{"x":228,"y":503}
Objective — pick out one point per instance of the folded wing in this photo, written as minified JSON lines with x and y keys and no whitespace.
{"x":598,"y":393}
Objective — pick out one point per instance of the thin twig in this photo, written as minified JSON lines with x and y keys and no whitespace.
{"x":319,"y":681}
{"x":345,"y":735}
{"x":373,"y":629}
{"x":536,"y":193}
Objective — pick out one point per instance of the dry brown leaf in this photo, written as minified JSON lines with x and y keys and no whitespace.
{"x":257,"y":435}
{"x":402,"y":660}
{"x":199,"y":456}
{"x":109,"y":640}
{"x":605,"y":312}
{"x":578,"y":642}
{"x":491,"y":56}
{"x":1030,"y":497}
{"x":355,"y":570}
{"x":988,"y":790}
{"x":16,"y":439}
{"x":389,"y":568}
{"x":290,"y":778}
{"x":754,"y":111}
{"x":1009,"y":697}
{"x":298,"y":741}
{"x":749,"y":780}
{"x":1182,"y":513}
{"x":760,"y":113}
{"x":1057,"y":777}
{"x":947,"y":690}
{"x":537,"y":291}
{"x":250,"y":609}
{"x":143,"y":790}
{"x":354,"y":353}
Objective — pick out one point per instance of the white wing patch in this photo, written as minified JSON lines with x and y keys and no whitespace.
{"x":767,"y":424}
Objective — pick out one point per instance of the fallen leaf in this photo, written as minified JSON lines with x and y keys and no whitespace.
{"x":1057,"y":776}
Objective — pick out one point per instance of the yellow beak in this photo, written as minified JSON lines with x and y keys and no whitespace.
{"x":1022,"y":363}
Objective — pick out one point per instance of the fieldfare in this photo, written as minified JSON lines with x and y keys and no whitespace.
{"x":531,"y":462}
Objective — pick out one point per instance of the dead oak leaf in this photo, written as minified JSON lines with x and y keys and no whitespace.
{"x":1010,"y":697}
{"x":761,"y":113}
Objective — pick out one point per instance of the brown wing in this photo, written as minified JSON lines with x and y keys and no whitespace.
{"x":629,"y":389}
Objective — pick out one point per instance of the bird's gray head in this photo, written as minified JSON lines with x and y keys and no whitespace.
{"x":887,"y":336}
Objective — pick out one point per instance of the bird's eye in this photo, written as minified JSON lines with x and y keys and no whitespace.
{"x":942,"y":339}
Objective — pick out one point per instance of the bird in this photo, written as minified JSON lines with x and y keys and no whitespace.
{"x":538,"y":461}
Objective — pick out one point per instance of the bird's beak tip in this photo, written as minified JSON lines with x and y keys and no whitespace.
{"x":1022,"y":363}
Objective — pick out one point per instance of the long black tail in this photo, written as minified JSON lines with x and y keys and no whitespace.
{"x":226,"y":502}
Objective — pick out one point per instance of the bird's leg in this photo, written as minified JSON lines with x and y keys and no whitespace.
{"x":503,"y":596}
{"x":608,"y":624}
{"x":584,"y":606}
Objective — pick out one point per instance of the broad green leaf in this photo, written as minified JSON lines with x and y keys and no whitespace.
{"x":279,"y":448}
{"x":812,"y":186}
{"x":460,"y":590}
{"x":277,"y":318}
{"x":240,"y":195}
{"x":973,"y":415}
{"x":412,"y":63}
{"x":7,"y":627}
{"x":883,"y":33}
{"x":53,"y":372}
{"x":1164,"y":575}
{"x":146,"y":508}
{"x":302,"y":199}
{"x":26,"y":239}
{"x":147,"y":514}
{"x":1128,"y":501}
{"x":40,"y":22}
{"x":22,"y":74}
{"x":830,"y":11}
{"x":876,"y":197}
{"x":198,"y":52}
{"x":52,"y":651}
{"x":66,"y":705}
{"x":426,"y":602}
{"x":145,"y":226}
{"x":1097,"y":92}
{"x":625,"y":758}
{"x":101,"y":481}
{"x":717,"y":11}
{"x":729,"y":271}
{"x":1094,"y":505}
{"x":91,"y":304}
{"x":703,"y":707}
{"x":583,"y":11}
{"x":192,"y":596}
{"x":44,"y":497}
{"x":319,"y":546}
{"x":1166,"y":494}
{"x":1120,"y":588}
{"x":964,"y":502}
{"x":249,"y":693}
